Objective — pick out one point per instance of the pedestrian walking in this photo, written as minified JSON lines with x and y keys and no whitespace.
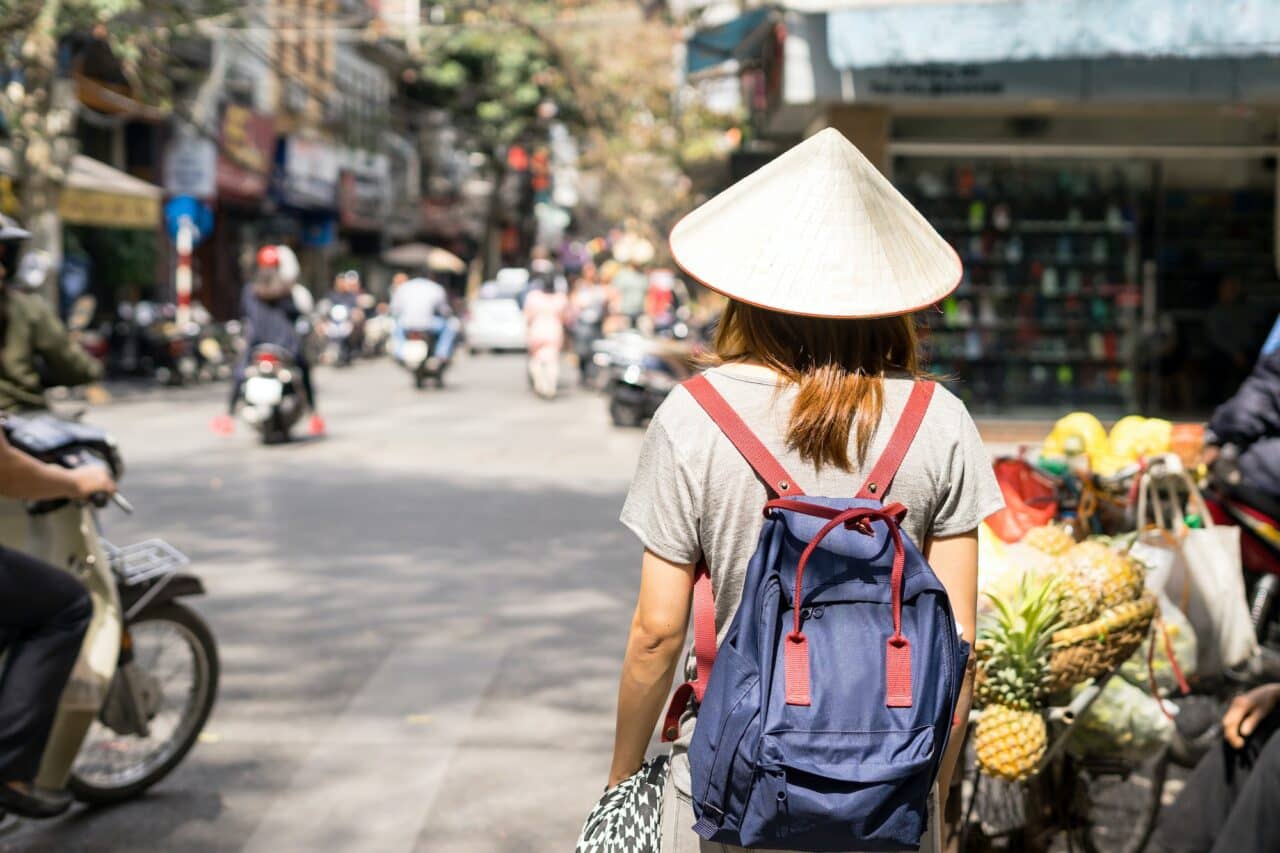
{"x":823,"y":262}
{"x":545,"y":313}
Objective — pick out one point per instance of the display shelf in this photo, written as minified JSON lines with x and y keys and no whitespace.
{"x":1018,"y":226}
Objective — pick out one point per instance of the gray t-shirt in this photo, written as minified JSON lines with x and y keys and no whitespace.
{"x":694,"y":495}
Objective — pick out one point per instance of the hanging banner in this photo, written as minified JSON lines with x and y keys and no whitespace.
{"x":310,"y":175}
{"x":244,"y":161}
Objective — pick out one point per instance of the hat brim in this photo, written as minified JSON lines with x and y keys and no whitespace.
{"x":858,"y":316}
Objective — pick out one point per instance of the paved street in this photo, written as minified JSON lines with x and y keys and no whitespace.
{"x":420,"y":617}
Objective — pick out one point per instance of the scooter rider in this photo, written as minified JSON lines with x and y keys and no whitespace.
{"x":422,"y":305}
{"x":270,"y":316}
{"x":36,"y":351}
{"x":44,"y":613}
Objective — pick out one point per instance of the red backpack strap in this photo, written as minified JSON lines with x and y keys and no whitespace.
{"x":779,"y":483}
{"x":704,"y":652}
{"x":899,"y":443}
{"x":767,"y":468}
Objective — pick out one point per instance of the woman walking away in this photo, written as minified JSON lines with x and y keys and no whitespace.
{"x":823,"y":262}
{"x":544,"y":314}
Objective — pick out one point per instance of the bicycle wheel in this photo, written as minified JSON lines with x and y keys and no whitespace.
{"x":1118,"y":803}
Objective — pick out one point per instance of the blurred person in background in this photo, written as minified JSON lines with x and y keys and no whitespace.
{"x":545,"y":314}
{"x":44,"y":613}
{"x":1231,"y":326}
{"x":422,"y":305}
{"x":348,"y":293}
{"x":589,"y":305}
{"x":271,"y":317}
{"x":633,"y":289}
{"x":36,"y":350}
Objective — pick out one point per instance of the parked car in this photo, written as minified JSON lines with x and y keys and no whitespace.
{"x":494,"y":320}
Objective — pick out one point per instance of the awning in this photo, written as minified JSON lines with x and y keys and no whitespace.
{"x":98,"y":195}
{"x":740,"y":39}
{"x":1004,"y":31}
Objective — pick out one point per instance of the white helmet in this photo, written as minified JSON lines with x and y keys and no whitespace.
{"x":290,"y":270}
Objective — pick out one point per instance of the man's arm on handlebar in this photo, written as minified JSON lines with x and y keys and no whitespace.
{"x":25,"y":478}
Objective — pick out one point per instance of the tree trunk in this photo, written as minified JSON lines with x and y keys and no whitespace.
{"x":42,"y":142}
{"x":491,"y":247}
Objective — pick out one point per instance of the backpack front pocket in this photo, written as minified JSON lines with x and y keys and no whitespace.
{"x":807,"y":777}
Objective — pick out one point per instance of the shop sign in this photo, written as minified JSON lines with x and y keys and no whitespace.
{"x":190,"y":165}
{"x":108,"y":209}
{"x":244,"y":163}
{"x":365,"y":192}
{"x":311,"y":170}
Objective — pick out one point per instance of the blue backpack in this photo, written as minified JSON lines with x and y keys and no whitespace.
{"x":822,"y":724}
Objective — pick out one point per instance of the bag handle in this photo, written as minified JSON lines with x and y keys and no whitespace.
{"x":767,"y":468}
{"x":881,"y":477}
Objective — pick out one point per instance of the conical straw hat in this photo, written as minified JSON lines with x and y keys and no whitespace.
{"x":817,"y":231}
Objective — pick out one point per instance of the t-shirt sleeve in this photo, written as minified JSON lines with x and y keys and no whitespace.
{"x":661,"y":506}
{"x":970,"y":491}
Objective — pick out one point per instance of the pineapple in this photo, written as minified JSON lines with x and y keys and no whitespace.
{"x":1093,"y":578}
{"x":1051,"y":539}
{"x":1011,"y":736}
{"x":1010,"y":742}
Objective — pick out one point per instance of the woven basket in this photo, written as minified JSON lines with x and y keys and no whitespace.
{"x":1090,"y":650}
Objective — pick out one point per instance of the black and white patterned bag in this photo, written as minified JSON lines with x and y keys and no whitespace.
{"x":628,"y":819}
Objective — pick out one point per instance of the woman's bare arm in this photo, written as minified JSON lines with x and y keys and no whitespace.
{"x":955,"y":561}
{"x":653,"y":655}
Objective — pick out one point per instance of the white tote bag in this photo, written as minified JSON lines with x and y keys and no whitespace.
{"x":1199,"y":569}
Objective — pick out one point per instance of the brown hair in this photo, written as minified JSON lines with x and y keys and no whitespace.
{"x":837,"y":365}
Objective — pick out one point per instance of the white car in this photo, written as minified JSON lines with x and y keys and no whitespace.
{"x":495,"y":322}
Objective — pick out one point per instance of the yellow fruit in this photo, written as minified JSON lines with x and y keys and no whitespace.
{"x":1135,"y":437}
{"x":1009,"y":742}
{"x":1093,"y":578}
{"x":1078,"y":432}
{"x":1050,"y":539}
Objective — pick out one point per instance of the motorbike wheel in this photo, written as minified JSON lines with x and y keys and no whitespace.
{"x":419,"y":379}
{"x":113,"y":767}
{"x":624,"y":414}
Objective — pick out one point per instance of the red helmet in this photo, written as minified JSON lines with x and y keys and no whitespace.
{"x":268,"y":256}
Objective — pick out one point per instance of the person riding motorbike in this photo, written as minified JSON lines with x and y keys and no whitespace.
{"x":36,"y":351}
{"x":348,"y":293}
{"x":422,"y":305}
{"x":44,"y":613}
{"x":270,"y":316}
{"x":589,"y":303}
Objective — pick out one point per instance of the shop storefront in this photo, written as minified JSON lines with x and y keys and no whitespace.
{"x":309,"y":171}
{"x":1098,"y":201}
{"x":247,"y":142}
{"x":111,"y":235}
{"x":364,"y":203}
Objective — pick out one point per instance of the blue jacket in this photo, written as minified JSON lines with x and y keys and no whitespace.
{"x":270,"y":322}
{"x":1250,"y":420}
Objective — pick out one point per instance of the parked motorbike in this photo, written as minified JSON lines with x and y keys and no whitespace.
{"x":642,"y":372}
{"x":147,"y":676}
{"x":271,"y":395}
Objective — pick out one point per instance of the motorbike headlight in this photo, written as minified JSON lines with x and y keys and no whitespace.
{"x":633,"y":374}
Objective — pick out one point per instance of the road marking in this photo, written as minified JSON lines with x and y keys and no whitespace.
{"x":371,"y":779}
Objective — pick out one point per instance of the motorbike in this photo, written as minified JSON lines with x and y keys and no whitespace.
{"x":1232,"y":502}
{"x":340,"y":335}
{"x":147,"y":676}
{"x":415,"y":353}
{"x":642,"y":371}
{"x":271,"y":394}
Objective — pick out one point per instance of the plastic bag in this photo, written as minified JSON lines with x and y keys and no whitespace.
{"x":1125,"y":722}
{"x":1173,"y":624}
